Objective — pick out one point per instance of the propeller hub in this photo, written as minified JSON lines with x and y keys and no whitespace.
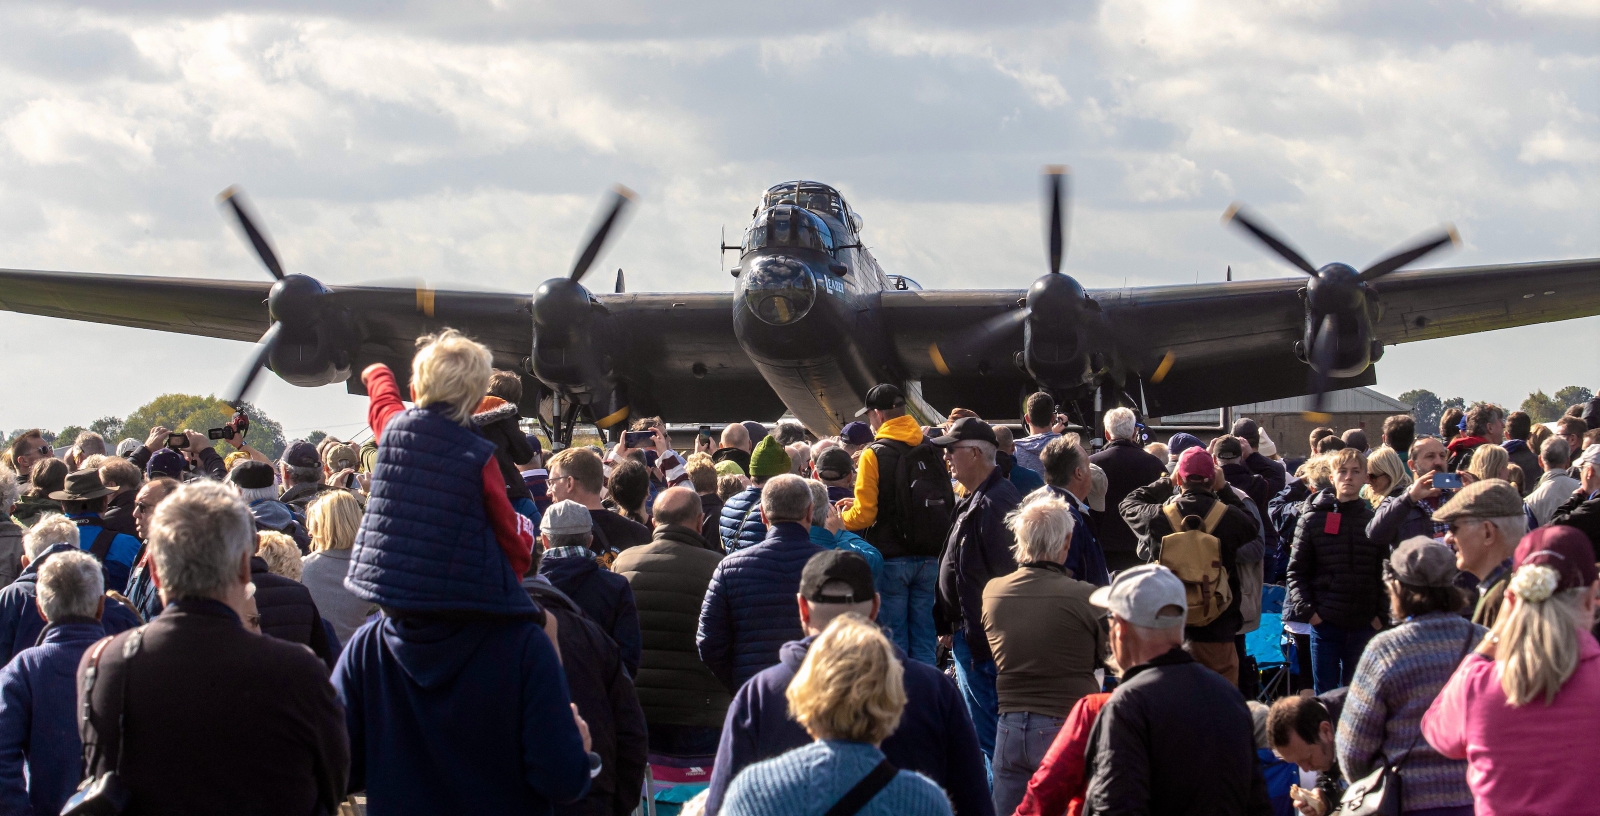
{"x":560,"y":302}
{"x":1337,"y":287}
{"x":295,"y":300}
{"x":1054,"y":294}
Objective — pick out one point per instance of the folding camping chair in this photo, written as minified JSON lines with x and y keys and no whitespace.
{"x":1266,"y":645}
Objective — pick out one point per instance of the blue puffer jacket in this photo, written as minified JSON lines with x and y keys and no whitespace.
{"x":39,"y":720}
{"x":426,"y":544}
{"x":271,"y":514}
{"x":846,"y":540}
{"x":741,"y":525}
{"x":749,"y":611}
{"x":604,"y":597}
{"x":20,"y":621}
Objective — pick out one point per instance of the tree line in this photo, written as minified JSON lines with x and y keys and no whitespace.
{"x":175,"y":411}
{"x":1427,"y":406}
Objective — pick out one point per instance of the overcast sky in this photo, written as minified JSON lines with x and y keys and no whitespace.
{"x":469,"y":143}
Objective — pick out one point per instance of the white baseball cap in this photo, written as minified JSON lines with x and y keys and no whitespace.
{"x":1148,"y":595}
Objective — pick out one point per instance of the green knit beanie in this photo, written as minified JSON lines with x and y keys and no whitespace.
{"x":728,"y":467}
{"x":769,"y":459}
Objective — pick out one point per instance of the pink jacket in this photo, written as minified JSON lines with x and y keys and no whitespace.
{"x":1535,"y":759}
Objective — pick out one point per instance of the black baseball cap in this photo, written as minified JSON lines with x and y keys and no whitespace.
{"x":834,"y":463}
{"x":1229,"y":449}
{"x":251,"y":474}
{"x":1247,"y":429}
{"x":883,"y":397}
{"x":967,"y":429}
{"x":837,"y":566}
{"x":301,"y":453}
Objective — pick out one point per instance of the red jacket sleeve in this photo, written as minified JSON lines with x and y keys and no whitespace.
{"x":1060,"y":780}
{"x":383,"y":395}
{"x":513,"y":530}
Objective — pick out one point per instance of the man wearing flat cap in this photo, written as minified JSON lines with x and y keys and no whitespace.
{"x":566,"y":532}
{"x":1484,"y":521}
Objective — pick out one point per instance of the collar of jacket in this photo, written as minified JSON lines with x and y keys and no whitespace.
{"x":1122,"y":443}
{"x":85,"y":519}
{"x":73,"y":629}
{"x":994,"y":477}
{"x":901,"y":429}
{"x":1052,"y":566}
{"x":204,"y":607}
{"x":493,"y":409}
{"x":547,"y":596}
{"x":258,"y":565}
{"x":1174,"y":657}
{"x":679,"y":534}
{"x":787,"y":532}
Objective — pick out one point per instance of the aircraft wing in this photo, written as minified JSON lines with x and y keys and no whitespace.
{"x":1233,"y":342}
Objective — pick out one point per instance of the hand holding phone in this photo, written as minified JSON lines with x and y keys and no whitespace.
{"x":1447,"y":481}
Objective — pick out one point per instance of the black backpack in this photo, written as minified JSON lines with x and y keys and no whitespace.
{"x":923,"y":498}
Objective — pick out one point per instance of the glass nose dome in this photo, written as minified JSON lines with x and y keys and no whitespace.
{"x":779,"y":290}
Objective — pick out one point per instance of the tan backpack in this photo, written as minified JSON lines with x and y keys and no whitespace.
{"x":1195,"y":556}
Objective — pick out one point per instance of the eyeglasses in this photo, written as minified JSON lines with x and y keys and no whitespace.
{"x":557,"y":478}
{"x":1459,"y":524}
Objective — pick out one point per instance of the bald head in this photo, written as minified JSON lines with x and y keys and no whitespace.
{"x":735,"y":436}
{"x":678,"y":505}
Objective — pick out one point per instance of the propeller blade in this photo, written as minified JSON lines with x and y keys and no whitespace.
{"x":622,"y":285}
{"x":620,"y":197}
{"x":258,"y":360}
{"x":975,"y":339}
{"x":1235,"y":215}
{"x":1164,"y":368}
{"x":1056,"y":190}
{"x":1446,"y":235}
{"x":234,"y":198}
{"x":1323,"y":345}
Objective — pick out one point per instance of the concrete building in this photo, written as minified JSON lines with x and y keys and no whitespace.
{"x":1361,"y":408}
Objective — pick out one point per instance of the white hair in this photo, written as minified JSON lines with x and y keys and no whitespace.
{"x":70,"y":585}
{"x":988,"y":451}
{"x":1121,"y":423}
{"x":251,"y":495}
{"x":1512,"y":528}
{"x":47,"y":532}
{"x":199,"y":537}
{"x":10,"y":490}
{"x":1041,"y":529}
{"x":786,"y":498}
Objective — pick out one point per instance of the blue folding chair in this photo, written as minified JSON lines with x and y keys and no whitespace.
{"x":1265,"y":645}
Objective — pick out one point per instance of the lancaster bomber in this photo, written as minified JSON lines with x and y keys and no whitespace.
{"x":813,"y":321}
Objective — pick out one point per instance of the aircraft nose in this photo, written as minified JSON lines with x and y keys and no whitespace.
{"x":779,"y":290}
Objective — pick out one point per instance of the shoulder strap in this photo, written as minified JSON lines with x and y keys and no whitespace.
{"x":102,"y":543}
{"x":1214,"y":516}
{"x":1175,"y":518}
{"x":858,"y":796}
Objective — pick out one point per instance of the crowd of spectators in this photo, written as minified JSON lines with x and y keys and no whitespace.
{"x":914,"y":615}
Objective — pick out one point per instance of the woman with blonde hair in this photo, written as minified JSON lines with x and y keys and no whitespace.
{"x":1523,"y":710}
{"x":1488,"y":462}
{"x":333,"y":520}
{"x":281,"y":554}
{"x":848,"y":694}
{"x":1386,"y":476}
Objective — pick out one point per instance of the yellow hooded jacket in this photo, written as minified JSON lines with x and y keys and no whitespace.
{"x":864,"y":512}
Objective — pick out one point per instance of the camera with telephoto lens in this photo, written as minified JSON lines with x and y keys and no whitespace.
{"x":238,"y":426}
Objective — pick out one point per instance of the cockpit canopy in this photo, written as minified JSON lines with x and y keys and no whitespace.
{"x":787,"y":225}
{"x":816,"y":197}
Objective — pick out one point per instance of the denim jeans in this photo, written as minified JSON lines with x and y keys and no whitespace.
{"x":1021,"y":740}
{"x":976,"y":681}
{"x":907,"y":607}
{"x":1334,"y":652}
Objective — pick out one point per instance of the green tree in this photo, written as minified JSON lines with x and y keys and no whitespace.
{"x":110,"y":428}
{"x":1572,"y":395}
{"x":316,"y":436}
{"x":188,"y":412}
{"x":69,"y":435}
{"x":1425,"y":408}
{"x":1540,"y":407}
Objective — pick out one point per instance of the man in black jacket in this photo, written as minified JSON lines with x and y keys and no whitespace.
{"x":1202,"y":486}
{"x":604,"y":695}
{"x":978,"y":549}
{"x":1127,"y":468}
{"x":1174,"y":738}
{"x":230,"y":720}
{"x":1583,"y":509}
{"x":496,"y":419}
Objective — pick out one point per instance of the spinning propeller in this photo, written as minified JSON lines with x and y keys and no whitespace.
{"x":1336,"y":293}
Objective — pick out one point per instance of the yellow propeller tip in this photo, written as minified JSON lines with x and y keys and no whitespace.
{"x":1317,"y":417}
{"x":938,"y":359}
{"x":1233,"y":210}
{"x":1455,"y":237}
{"x":1163,"y":369}
{"x":233,"y":190}
{"x":625,"y":192}
{"x":1057,"y":170}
